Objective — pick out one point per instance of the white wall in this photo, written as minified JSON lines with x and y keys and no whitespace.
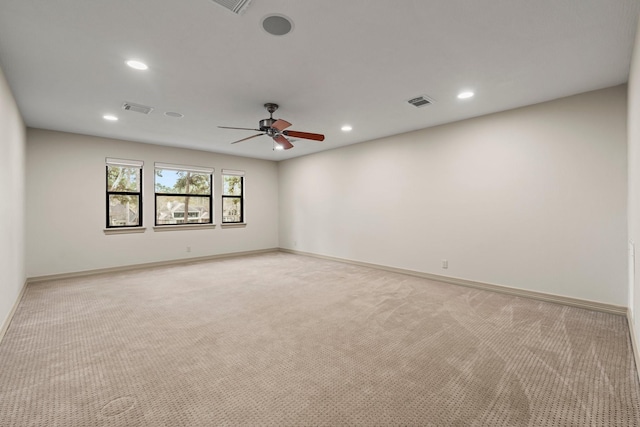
{"x":12,"y":176}
{"x":66,"y":206}
{"x":533,"y":198}
{"x":634,"y":183}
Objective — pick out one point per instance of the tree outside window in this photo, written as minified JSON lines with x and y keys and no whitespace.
{"x":183,"y":195}
{"x":124,"y":193}
{"x":232,"y":197}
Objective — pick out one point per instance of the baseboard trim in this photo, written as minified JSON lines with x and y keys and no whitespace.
{"x":541,"y":296}
{"x":119,"y":269}
{"x":5,"y":325}
{"x":634,"y":342}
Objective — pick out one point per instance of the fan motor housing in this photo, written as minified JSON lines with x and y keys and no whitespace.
{"x":266,"y":124}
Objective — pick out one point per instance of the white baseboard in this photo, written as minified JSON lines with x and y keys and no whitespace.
{"x":634,"y":342}
{"x":131,"y":267}
{"x":5,"y":325}
{"x":541,"y":296}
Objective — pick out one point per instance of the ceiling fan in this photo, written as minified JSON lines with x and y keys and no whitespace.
{"x":276,"y":129}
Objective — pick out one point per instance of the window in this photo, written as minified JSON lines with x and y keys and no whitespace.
{"x":124,"y":193}
{"x":183,"y":194}
{"x":232,"y":196}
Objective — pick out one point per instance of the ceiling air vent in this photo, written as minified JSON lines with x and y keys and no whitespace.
{"x":130,"y":106}
{"x":236,"y":6}
{"x":420,"y":101}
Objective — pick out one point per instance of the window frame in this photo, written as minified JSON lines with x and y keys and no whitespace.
{"x":238,"y":173}
{"x":137,"y":164}
{"x":184,"y":168}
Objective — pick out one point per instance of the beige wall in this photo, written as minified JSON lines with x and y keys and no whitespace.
{"x":12,"y":225}
{"x":634,"y":185}
{"x":66,"y":206}
{"x":533,"y":198}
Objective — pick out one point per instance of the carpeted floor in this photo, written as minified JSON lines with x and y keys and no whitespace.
{"x":281,"y":339}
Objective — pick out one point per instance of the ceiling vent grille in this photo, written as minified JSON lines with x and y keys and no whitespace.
{"x":236,"y":6}
{"x":420,"y":101}
{"x":130,"y":106}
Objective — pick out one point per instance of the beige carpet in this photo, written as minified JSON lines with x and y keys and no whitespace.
{"x":280,"y":339}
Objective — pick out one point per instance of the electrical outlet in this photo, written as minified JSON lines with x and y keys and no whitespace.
{"x":445,"y":263}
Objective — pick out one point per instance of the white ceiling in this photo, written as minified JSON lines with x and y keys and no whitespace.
{"x":355,"y":62}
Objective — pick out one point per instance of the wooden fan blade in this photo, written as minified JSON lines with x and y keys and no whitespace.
{"x":227,"y":127}
{"x":283,"y":141}
{"x":280,"y":125}
{"x":305,"y":135}
{"x":244,"y":139}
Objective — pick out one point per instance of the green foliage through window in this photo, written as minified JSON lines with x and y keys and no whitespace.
{"x":124,"y":195}
{"x":232,"y":199}
{"x":182,"y":196}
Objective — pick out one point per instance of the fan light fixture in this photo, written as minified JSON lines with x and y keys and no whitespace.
{"x":137,"y":65}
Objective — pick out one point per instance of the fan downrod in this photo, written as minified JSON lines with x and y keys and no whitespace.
{"x":271,"y":108}
{"x":265,"y":124}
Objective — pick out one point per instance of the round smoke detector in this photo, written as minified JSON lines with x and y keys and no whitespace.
{"x":277,"y":25}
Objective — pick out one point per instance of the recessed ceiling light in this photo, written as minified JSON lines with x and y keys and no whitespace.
{"x":279,"y":147}
{"x":174,"y":114}
{"x":110,"y":117}
{"x":465,"y":95}
{"x":346,"y":128}
{"x":137,"y":64}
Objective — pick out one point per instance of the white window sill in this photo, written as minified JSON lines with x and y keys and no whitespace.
{"x":183,"y":227}
{"x":125,"y":230}
{"x":233,"y":225}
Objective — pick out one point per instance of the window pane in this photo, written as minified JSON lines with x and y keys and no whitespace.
{"x":231,"y":209}
{"x":232,"y":185}
{"x":171,"y":210}
{"x":124,"y":210}
{"x":182,"y":182}
{"x":122,"y":178}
